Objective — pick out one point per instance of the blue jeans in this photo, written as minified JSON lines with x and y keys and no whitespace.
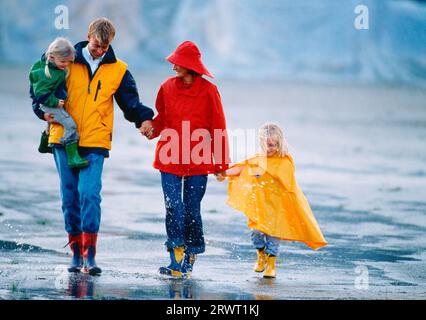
{"x":80,"y":192}
{"x":262,"y":240}
{"x":184,"y":226}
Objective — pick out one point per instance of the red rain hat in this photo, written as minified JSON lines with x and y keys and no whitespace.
{"x":188,"y":55}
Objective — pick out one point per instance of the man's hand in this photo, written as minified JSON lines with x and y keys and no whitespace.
{"x":147,"y":129}
{"x":49,"y":118}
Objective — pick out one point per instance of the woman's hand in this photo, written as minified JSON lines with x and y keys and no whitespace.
{"x":220,"y":176}
{"x":147,"y":129}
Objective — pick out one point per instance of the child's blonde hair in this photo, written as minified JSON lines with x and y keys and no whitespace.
{"x":273,"y":131}
{"x":60,"y":48}
{"x":103,"y":30}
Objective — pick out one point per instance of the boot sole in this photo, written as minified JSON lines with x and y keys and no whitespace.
{"x":78,"y":165}
{"x":269,"y":277}
{"x":170,"y":272}
{"x":74,"y":270}
{"x":259,"y":270}
{"x":93,"y":271}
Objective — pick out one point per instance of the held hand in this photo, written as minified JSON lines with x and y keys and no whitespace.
{"x":61,"y":103}
{"x":220,"y":176}
{"x":147,"y":129}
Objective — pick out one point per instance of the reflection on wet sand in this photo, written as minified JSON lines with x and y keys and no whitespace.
{"x":81,"y":285}
{"x":370,"y":220}
{"x":183,"y":289}
{"x":194,"y":289}
{"x":264,"y":283}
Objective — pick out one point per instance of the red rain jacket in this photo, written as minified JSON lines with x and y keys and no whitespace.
{"x":187,"y":119}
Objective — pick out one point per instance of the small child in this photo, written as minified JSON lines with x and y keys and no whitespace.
{"x":47,"y":78}
{"x":264,"y":188}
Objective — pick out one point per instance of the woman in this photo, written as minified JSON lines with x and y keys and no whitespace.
{"x":193,"y":144}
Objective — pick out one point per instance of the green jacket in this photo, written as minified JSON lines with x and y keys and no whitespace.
{"x":43,"y":87}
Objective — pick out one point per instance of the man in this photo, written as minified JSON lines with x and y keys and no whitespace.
{"x":95,"y":77}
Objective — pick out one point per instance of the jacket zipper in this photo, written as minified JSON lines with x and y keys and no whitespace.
{"x":91,"y":76}
{"x":97,"y":89}
{"x":85,"y":100}
{"x":82,"y":114}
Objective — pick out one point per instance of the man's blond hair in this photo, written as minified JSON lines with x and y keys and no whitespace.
{"x":103,"y":30}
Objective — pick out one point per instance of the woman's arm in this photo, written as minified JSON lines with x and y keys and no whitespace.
{"x":158,"y":121}
{"x":219,"y":143}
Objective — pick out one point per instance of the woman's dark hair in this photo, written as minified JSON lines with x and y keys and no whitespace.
{"x":193,"y":73}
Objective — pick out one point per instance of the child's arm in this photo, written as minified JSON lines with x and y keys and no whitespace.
{"x":44,"y":88}
{"x":235,"y":171}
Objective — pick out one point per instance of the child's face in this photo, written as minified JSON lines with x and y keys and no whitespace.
{"x":180,"y":71}
{"x":96,"y":48}
{"x":271,"y":147}
{"x":61,"y":63}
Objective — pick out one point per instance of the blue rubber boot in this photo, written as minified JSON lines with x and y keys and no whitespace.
{"x":188,"y":264}
{"x":89,"y":253}
{"x":174,"y":269}
{"x":75,"y":243}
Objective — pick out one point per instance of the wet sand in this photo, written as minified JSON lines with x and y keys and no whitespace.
{"x":359,"y":153}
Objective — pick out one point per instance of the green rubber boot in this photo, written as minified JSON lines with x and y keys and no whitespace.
{"x":74,"y":159}
{"x":44,"y":143}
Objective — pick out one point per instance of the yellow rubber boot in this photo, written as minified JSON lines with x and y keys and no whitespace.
{"x":261,"y":261}
{"x":270,"y":267}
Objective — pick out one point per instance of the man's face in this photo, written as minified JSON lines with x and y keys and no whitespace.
{"x":96,"y":49}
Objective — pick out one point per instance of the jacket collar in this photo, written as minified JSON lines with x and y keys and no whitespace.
{"x":108,"y":58}
{"x":190,"y":90}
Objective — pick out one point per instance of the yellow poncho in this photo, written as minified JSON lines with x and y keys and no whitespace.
{"x":266,"y":191}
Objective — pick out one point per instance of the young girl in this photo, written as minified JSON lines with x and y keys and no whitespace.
{"x":264,"y":188}
{"x":47,"y":78}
